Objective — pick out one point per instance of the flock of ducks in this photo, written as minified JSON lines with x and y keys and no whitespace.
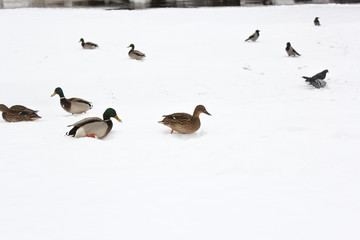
{"x":96,"y":127}
{"x":99,"y":128}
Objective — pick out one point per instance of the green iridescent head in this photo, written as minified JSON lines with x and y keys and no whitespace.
{"x":58,"y":91}
{"x":110,"y":112}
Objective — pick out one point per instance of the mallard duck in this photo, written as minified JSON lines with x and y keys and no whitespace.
{"x":183,"y":122}
{"x":94,"y":126}
{"x":72,"y":105}
{"x":88,"y":45}
{"x":291,"y":51}
{"x":135,"y":54}
{"x":18,"y":113}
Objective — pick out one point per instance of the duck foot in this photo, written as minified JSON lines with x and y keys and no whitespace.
{"x":172,"y":130}
{"x":91,"y":135}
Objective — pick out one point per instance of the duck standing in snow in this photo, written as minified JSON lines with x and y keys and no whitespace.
{"x":18,"y":113}
{"x":184,"y":122}
{"x":72,"y":105}
{"x":254,"y":37}
{"x":291,"y":51}
{"x":88,"y":45}
{"x":316,"y":21}
{"x":135,"y":54}
{"x":318,"y":79}
{"x":94,"y":126}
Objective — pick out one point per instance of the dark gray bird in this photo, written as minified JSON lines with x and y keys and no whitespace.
{"x":318,"y":79}
{"x":291,"y":51}
{"x":254,"y":37}
{"x":316,"y":21}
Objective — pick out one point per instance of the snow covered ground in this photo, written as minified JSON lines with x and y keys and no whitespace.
{"x":278,"y":159}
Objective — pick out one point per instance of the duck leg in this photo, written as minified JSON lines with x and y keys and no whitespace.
{"x":172,"y":130}
{"x":91,"y":135}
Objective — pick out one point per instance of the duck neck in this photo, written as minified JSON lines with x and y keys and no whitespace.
{"x":106,"y":117}
{"x":196,"y":113}
{"x":61,"y":94}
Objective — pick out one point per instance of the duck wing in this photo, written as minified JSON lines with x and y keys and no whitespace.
{"x":80,"y":100}
{"x":85,"y":121}
{"x":138,"y":53}
{"x":27,"y":113}
{"x":91,"y":44}
{"x":176,"y":118}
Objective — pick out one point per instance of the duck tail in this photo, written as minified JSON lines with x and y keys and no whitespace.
{"x":72,"y":132}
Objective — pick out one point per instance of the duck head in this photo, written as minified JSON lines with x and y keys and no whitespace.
{"x":58,"y":91}
{"x":200,"y":109}
{"x":3,"y":108}
{"x":110,"y":112}
{"x":132,"y":46}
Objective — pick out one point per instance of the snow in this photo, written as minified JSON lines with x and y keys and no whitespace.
{"x":278,"y":159}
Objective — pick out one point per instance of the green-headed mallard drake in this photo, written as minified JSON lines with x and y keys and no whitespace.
{"x":18,"y":113}
{"x":88,"y":45}
{"x":94,"y":126}
{"x":72,"y":105}
{"x":135,"y":54}
{"x":183,"y":122}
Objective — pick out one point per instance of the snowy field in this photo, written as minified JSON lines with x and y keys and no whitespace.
{"x":278,"y":159}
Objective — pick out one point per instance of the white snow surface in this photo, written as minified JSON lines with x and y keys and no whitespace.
{"x":278,"y":159}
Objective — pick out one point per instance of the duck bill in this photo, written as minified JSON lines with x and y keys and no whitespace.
{"x":53,"y":94}
{"x":207,"y":113}
{"x":117,"y":118}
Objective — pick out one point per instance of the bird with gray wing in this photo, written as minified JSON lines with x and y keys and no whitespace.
{"x":291,"y":51}
{"x":318,"y":79}
{"x":254,"y":36}
{"x":88,"y":45}
{"x":135,"y":54}
{"x":94,"y":126}
{"x":72,"y":105}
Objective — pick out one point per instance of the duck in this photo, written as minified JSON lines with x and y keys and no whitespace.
{"x":135,"y":54}
{"x":72,"y":105}
{"x":184,"y":122}
{"x":18,"y":113}
{"x":93,"y":126}
{"x":88,"y":45}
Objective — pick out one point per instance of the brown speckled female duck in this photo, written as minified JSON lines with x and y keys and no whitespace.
{"x":72,"y":105}
{"x":183,"y":122}
{"x":18,"y":113}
